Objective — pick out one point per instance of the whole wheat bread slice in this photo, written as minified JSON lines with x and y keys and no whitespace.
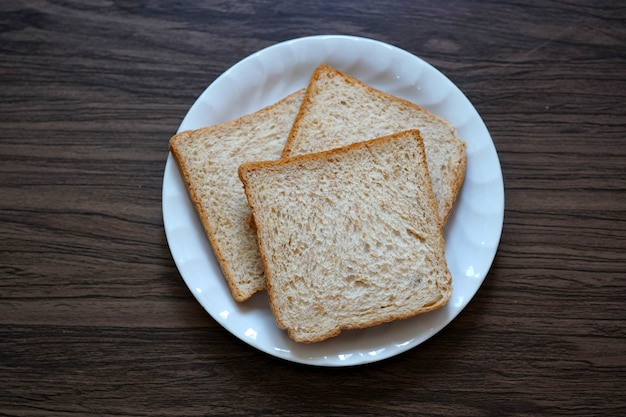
{"x":338,"y":110}
{"x":208,"y":160}
{"x":350,"y":237}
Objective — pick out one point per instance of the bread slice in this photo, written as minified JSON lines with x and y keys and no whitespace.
{"x":208,"y":159}
{"x":338,"y":110}
{"x":349,"y":237}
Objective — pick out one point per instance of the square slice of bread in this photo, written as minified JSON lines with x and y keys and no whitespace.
{"x":208,"y":160}
{"x":339,"y":109}
{"x":350,"y":237}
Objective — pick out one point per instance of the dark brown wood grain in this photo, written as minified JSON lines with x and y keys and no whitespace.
{"x":94,"y":316}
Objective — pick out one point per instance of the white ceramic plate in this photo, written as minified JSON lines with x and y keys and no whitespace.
{"x":472,"y":233}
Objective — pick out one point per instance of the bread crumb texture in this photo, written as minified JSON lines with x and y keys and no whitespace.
{"x":350,"y":238}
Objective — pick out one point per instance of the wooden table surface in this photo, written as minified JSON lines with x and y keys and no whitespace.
{"x":95,"y":318}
